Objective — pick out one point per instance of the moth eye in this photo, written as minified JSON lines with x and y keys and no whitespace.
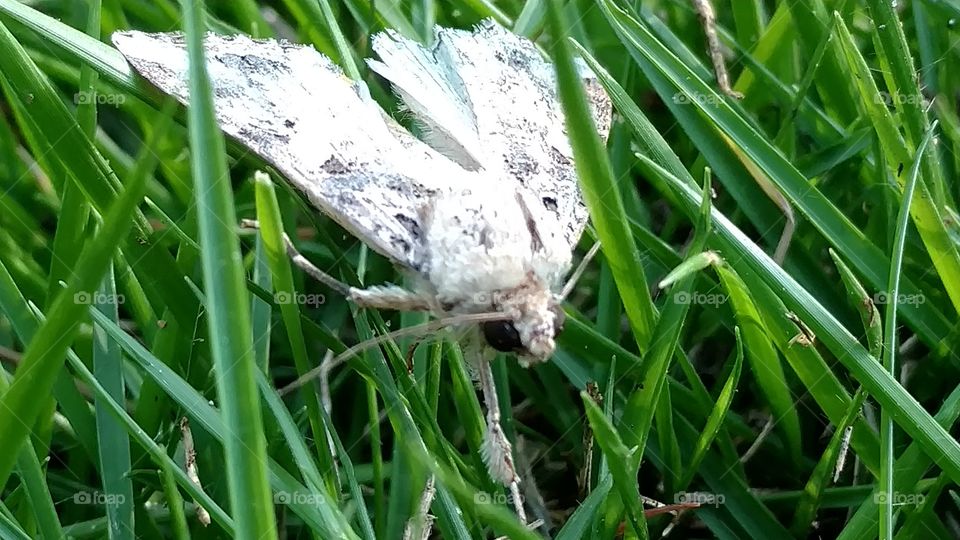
{"x":559,"y":317}
{"x":502,"y":336}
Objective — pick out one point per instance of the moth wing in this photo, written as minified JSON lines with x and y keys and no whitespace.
{"x":488,"y":99}
{"x":298,"y":111}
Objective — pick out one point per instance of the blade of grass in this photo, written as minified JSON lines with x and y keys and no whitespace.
{"x":909,"y":471}
{"x":325,"y":516}
{"x":888,"y":31}
{"x":599,"y":186}
{"x":764,"y":360}
{"x":228,"y":309}
{"x":642,"y":405}
{"x":44,"y":357}
{"x":623,"y":462}
{"x":29,"y":470}
{"x":366,"y":525}
{"x":887,"y":455}
{"x":175,"y":504}
{"x":9,"y":526}
{"x":716,"y":418}
{"x":103,"y":58}
{"x":896,"y":152}
{"x":468,"y":497}
{"x":379,"y":491}
{"x":669,"y":76}
{"x":343,"y":49}
{"x":810,"y":498}
{"x":581,"y":521}
{"x":886,"y":390}
{"x":113,"y":443}
{"x":84,"y":163}
{"x":27,"y":323}
{"x":271,"y":233}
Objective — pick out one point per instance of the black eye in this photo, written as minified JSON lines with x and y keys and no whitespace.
{"x":502,"y":336}
{"x":559,"y":317}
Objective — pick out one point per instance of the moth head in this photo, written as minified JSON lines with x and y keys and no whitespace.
{"x":531,"y":330}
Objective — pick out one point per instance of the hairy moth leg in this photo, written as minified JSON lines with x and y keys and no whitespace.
{"x":496,"y":451}
{"x":378,"y":296}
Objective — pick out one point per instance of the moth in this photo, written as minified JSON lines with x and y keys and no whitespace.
{"x":483,"y":211}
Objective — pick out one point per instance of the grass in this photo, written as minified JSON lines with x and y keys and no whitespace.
{"x":130,"y":301}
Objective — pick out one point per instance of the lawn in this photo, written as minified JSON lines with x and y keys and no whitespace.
{"x":763,"y":342}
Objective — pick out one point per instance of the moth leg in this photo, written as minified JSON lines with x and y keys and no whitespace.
{"x":390,"y":297}
{"x":709,"y":21}
{"x":302,"y":261}
{"x":380,"y":297}
{"x":496,"y":450}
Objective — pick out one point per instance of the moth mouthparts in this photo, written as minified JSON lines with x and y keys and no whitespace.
{"x":542,"y":348}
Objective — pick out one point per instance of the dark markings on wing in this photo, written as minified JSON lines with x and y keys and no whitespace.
{"x":295,"y":109}
{"x":489,"y":97}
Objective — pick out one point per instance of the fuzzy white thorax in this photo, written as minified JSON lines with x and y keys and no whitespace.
{"x":494,"y":247}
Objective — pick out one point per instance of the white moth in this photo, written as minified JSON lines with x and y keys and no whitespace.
{"x":484,"y":212}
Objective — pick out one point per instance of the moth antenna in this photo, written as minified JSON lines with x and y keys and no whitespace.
{"x":329,"y":363}
{"x":578,"y":273}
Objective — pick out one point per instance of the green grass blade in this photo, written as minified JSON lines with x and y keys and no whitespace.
{"x":897,"y":152}
{"x":44,"y":357}
{"x":865,"y":368}
{"x":890,"y":35}
{"x":810,"y":498}
{"x":763,"y":360}
{"x":343,"y":49}
{"x":363,"y":517}
{"x":716,"y":418}
{"x":113,"y":443}
{"x":175,"y":504}
{"x":599,"y":187}
{"x":887,"y":457}
{"x":826,"y":217}
{"x":580,"y":523}
{"x":104,"y":59}
{"x":16,"y":308}
{"x":10,"y":528}
{"x":271,"y":233}
{"x":59,"y":127}
{"x":324,"y":515}
{"x":228,"y":306}
{"x":865,"y":305}
{"x":623,"y":462}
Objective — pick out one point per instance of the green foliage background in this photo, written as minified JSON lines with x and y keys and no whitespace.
{"x":130,"y":301}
